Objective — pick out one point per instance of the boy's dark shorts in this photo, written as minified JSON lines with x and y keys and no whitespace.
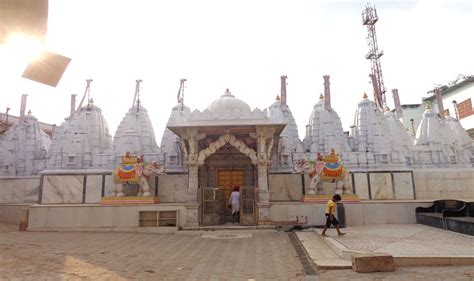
{"x":330,"y":220}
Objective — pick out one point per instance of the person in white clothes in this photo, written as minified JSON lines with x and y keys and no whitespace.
{"x":234,"y":203}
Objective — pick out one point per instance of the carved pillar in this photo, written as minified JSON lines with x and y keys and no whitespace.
{"x":189,"y":145}
{"x":264,"y":148}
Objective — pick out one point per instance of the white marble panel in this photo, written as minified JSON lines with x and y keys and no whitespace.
{"x":361,"y":185}
{"x":18,"y":191}
{"x":6,"y":190}
{"x":62,"y":189}
{"x":37,"y":217}
{"x":109,"y":186}
{"x":93,"y":188}
{"x":31,"y":190}
{"x":285,"y":187}
{"x":403,"y":185}
{"x":173,"y":188}
{"x":381,"y":186}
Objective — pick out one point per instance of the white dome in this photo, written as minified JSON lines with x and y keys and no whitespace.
{"x":228,"y":104}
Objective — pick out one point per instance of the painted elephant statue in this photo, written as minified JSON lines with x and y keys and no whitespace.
{"x":136,"y":173}
{"x":326,"y":168}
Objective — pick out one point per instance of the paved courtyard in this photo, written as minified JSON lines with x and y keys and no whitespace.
{"x":245,"y":255}
{"x":124,"y":256}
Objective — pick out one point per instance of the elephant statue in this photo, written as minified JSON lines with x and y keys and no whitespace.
{"x":136,"y":173}
{"x":326,"y":168}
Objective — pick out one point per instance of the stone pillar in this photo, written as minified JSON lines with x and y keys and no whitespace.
{"x":327,"y":93}
{"x":73,"y":106}
{"x":189,"y":145}
{"x":22,"y":108}
{"x":283,"y":89}
{"x":264,"y":148}
{"x":439,"y":101}
{"x":396,"y":101}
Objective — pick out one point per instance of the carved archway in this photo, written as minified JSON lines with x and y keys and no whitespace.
{"x":220,"y":142}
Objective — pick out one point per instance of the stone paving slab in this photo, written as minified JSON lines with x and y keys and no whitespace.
{"x":322,"y":256}
{"x":407,"y":242}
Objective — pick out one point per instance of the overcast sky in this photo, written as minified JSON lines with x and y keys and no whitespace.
{"x":245,"y":46}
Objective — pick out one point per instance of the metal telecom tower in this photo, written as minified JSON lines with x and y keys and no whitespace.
{"x":369,"y":18}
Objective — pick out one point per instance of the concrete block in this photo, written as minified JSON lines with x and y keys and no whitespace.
{"x":372,"y":262}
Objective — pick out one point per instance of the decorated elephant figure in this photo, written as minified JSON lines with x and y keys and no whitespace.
{"x":136,"y":173}
{"x":326,"y":168}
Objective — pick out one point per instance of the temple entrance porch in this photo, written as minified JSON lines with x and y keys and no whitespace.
{"x":207,"y":149}
{"x":217,"y":177}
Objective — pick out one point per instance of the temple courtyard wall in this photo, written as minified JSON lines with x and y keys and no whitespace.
{"x":71,"y":200}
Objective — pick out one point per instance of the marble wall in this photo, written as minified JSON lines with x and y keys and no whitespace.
{"x":384,"y":185}
{"x":173,"y":188}
{"x":62,"y":189}
{"x":68,"y":189}
{"x":363,"y":213}
{"x":437,"y":184}
{"x":361,"y":185}
{"x":285,"y":187}
{"x":89,"y":217}
{"x":11,"y":213}
{"x":403,"y":185}
{"x":19,"y":190}
{"x":381,"y":186}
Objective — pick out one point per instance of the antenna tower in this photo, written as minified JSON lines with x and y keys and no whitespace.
{"x":369,"y":18}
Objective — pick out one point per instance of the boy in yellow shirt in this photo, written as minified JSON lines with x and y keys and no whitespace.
{"x":330,"y":218}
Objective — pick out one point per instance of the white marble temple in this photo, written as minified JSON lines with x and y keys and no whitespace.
{"x":403,"y":185}
{"x":285,"y":187}
{"x":62,"y":189}
{"x":381,"y":186}
{"x":93,"y":188}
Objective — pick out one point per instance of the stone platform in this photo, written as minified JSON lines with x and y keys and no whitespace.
{"x":409,"y":244}
{"x":129,"y":200}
